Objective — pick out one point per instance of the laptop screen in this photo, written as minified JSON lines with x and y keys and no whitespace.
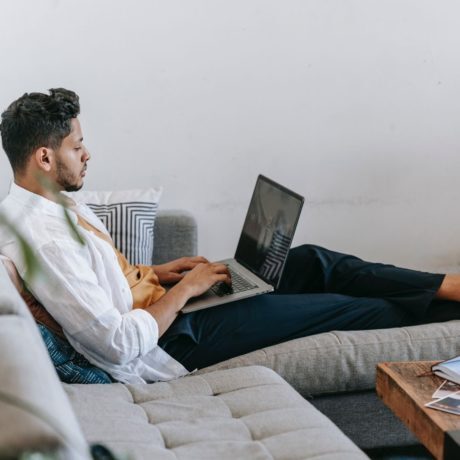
{"x":268,"y":229}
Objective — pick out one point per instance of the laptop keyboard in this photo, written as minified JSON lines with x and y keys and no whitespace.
{"x":239,"y":284}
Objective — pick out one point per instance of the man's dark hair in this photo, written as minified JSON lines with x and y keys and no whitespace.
{"x":37,"y":120}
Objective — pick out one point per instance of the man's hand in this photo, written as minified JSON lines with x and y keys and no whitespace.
{"x":193,"y":283}
{"x":172,"y":272}
{"x":203,"y":276}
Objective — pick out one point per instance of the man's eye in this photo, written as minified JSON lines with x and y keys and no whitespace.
{"x":77,"y":148}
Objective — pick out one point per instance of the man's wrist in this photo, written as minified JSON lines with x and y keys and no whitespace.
{"x":183,"y":292}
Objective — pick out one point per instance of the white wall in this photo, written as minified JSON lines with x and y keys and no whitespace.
{"x":354,"y":104}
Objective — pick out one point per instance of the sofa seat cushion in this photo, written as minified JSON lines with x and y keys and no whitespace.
{"x":341,"y":361}
{"x":246,"y":413}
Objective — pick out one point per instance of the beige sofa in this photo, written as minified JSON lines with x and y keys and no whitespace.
{"x":242,"y":413}
{"x":235,"y":409}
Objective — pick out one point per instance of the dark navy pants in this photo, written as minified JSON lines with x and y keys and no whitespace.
{"x":320,"y":291}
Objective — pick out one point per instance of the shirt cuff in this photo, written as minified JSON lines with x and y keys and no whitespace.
{"x":147,"y":329}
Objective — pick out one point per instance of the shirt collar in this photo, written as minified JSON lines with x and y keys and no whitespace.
{"x":32,"y":200}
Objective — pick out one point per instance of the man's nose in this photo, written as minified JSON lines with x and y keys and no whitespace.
{"x":86,"y":156}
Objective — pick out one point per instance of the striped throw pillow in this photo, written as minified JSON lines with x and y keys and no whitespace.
{"x":129,"y":216}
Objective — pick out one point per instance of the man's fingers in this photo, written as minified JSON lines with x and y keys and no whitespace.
{"x":199,"y":260}
{"x":220,"y":267}
{"x":223,"y":278}
{"x":191,"y":262}
{"x":222,"y":273}
{"x":223,"y":269}
{"x":195,"y":260}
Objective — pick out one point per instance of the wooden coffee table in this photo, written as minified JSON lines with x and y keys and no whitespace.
{"x":405,"y":388}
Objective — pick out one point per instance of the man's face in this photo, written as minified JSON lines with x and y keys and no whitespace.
{"x":71,"y":158}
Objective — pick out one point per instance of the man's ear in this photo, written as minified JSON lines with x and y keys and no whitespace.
{"x":44,"y":158}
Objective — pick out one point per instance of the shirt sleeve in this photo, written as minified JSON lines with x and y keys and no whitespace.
{"x":70,"y":291}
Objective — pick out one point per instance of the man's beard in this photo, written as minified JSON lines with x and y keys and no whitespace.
{"x":65,"y":180}
{"x":72,"y":188}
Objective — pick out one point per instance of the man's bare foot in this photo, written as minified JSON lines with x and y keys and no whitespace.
{"x":450,"y":288}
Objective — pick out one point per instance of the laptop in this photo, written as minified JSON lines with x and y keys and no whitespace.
{"x":262,"y":249}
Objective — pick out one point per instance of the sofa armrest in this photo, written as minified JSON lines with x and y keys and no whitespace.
{"x":35,"y":413}
{"x":175,"y":235}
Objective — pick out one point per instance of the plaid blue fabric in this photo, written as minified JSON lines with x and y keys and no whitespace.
{"x":72,"y":367}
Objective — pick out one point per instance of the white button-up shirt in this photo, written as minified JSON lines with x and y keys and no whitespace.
{"x":84,"y":289}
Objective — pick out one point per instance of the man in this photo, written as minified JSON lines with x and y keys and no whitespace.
{"x":122,"y":319}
